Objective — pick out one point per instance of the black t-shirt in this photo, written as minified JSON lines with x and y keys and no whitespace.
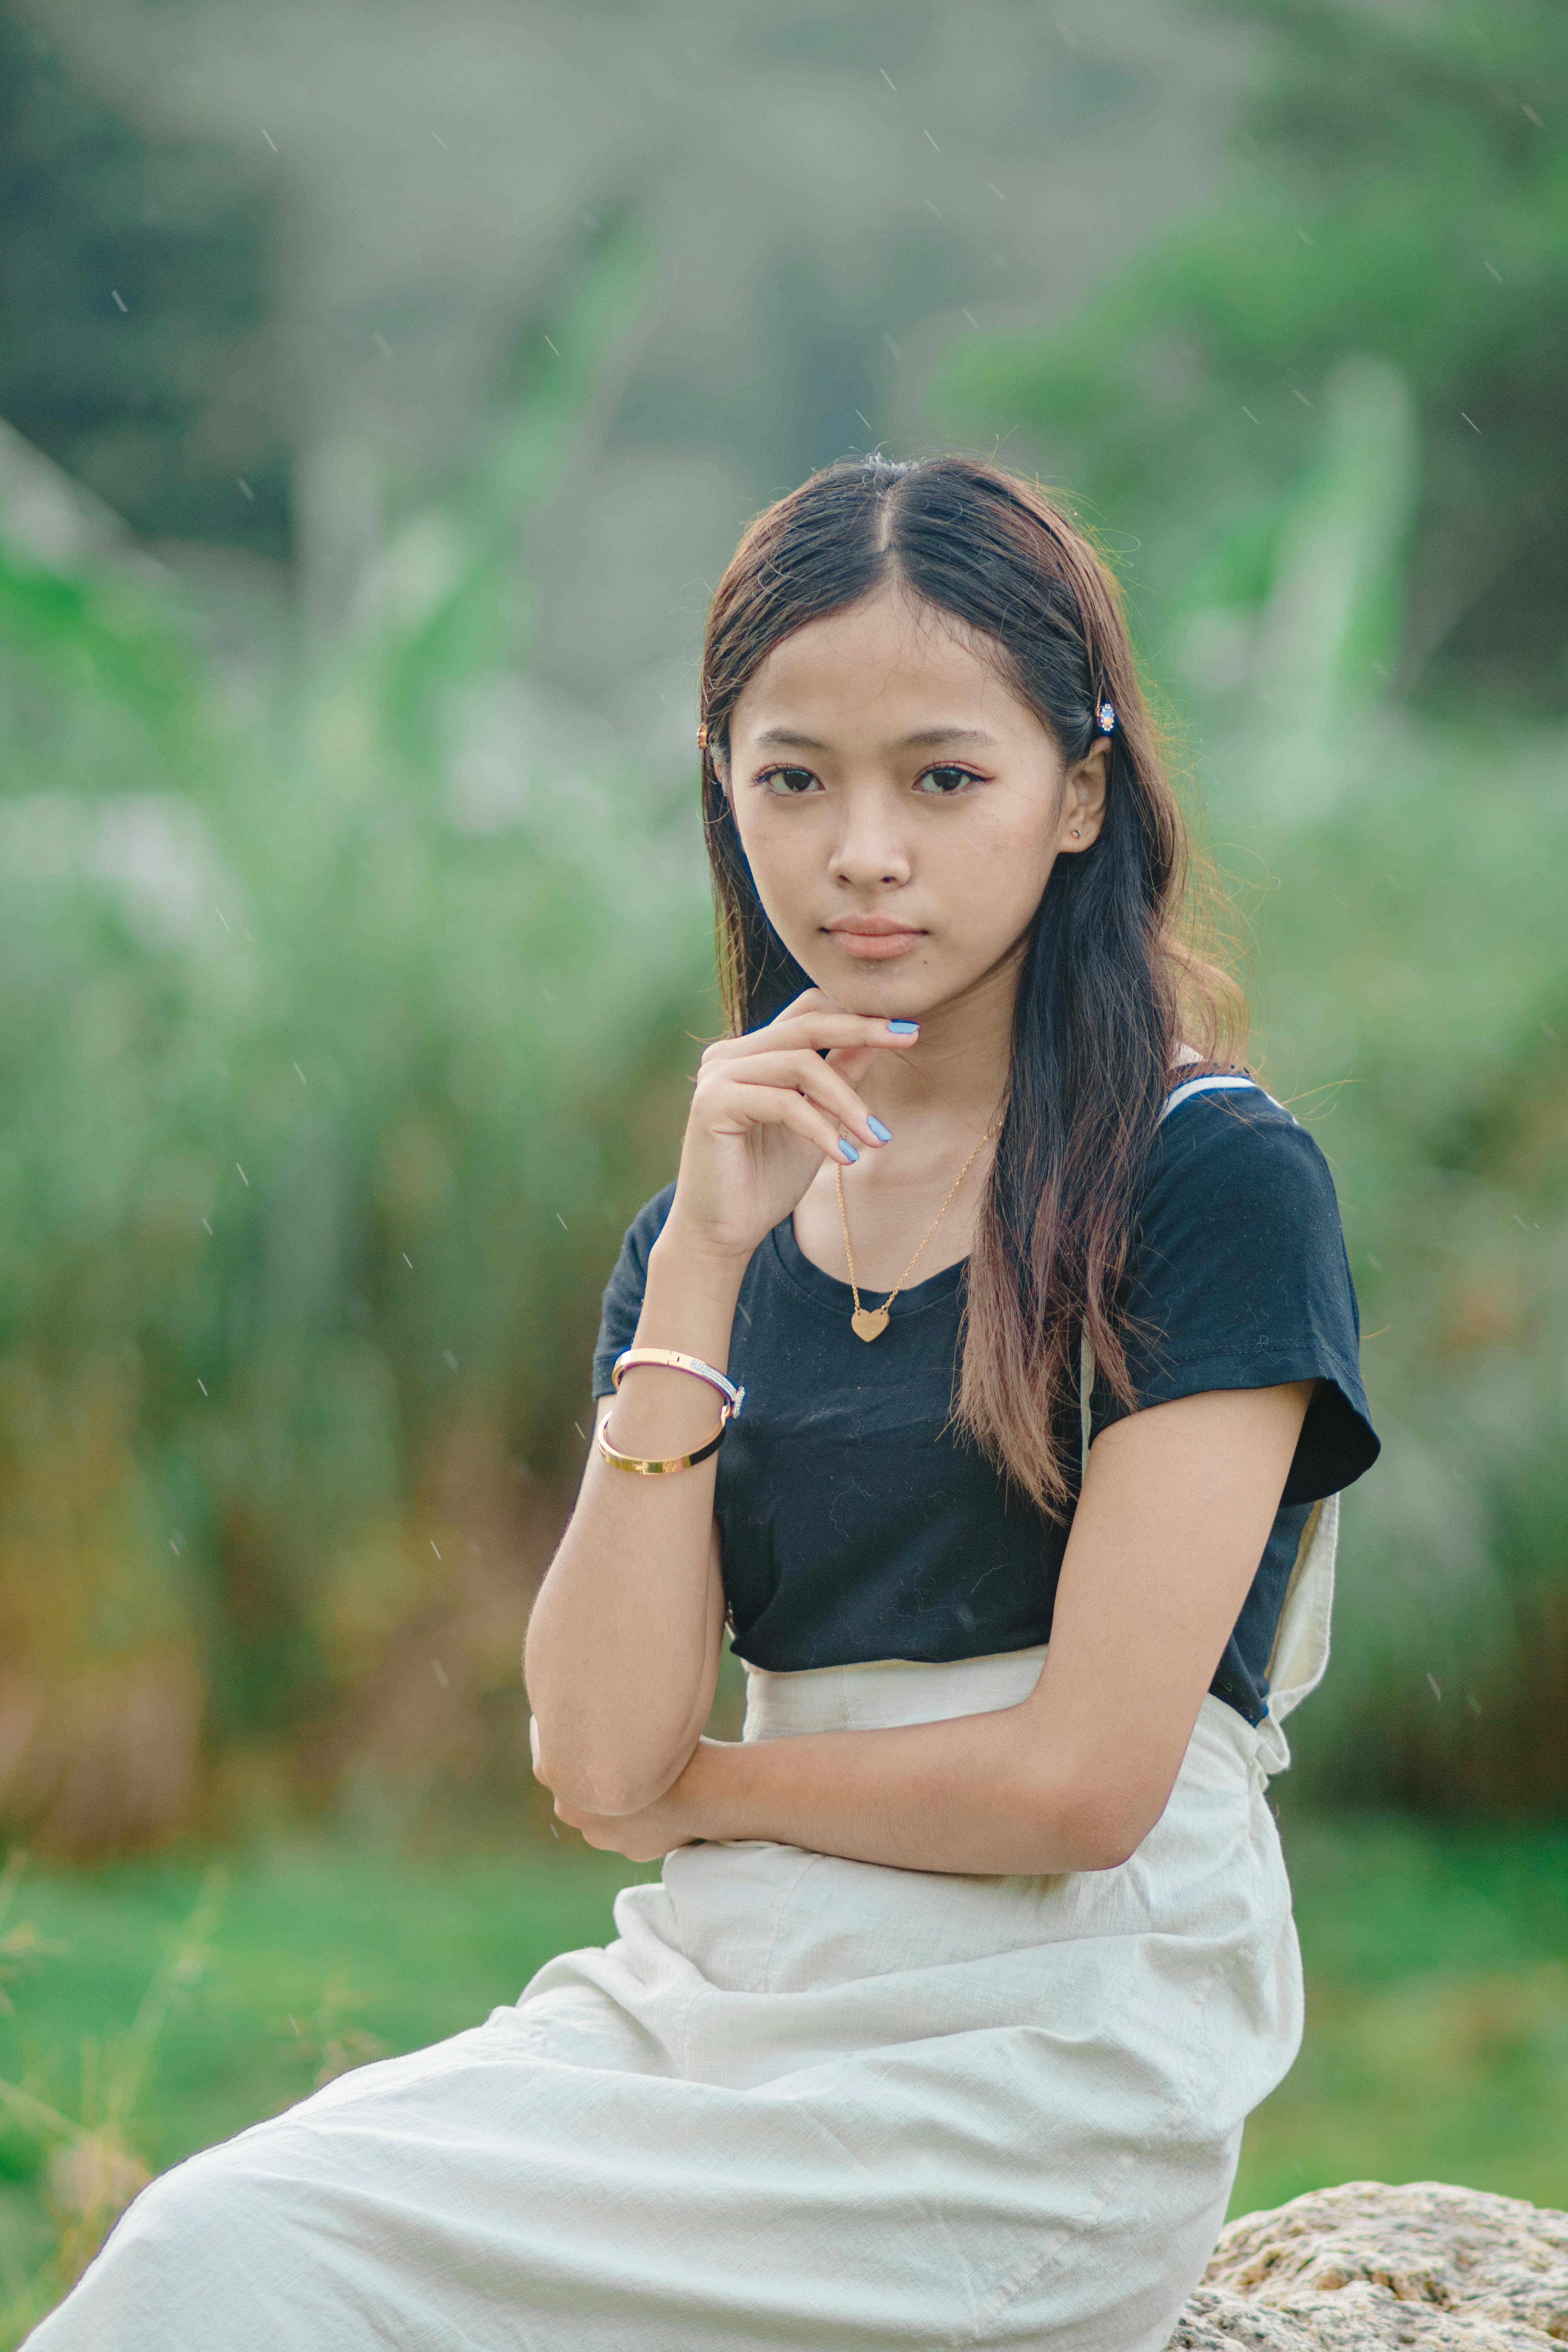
{"x":855,"y":1525}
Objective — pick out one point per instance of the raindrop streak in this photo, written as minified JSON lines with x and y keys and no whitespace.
{"x":300,"y":1074}
{"x":269,"y":139}
{"x":201,"y":1384}
{"x":893,"y":86}
{"x":1437,"y":1691}
{"x":970,"y":316}
{"x":562,"y":1222}
{"x":407,"y":1261}
{"x":1247,"y":412}
{"x":554,"y":347}
{"x":437,"y":138}
{"x":448,"y":1358}
{"x":440,"y":1670}
{"x":895,"y":349}
{"x":223,"y":918}
{"x":116,"y":297}
{"x":204,"y":1223}
{"x":996,"y":192}
{"x":1303,"y":399}
{"x":434,"y":1547}
{"x":243,"y":486}
{"x":932,"y":141}
{"x":382,"y":345}
{"x":243,"y":1177}
{"x":1470,"y":422}
{"x":578,"y":1427}
{"x":865,"y":421}
{"x":1493,"y":271}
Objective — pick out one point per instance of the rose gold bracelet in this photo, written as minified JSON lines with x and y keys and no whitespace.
{"x":730,"y":1400}
{"x":667,"y":1359}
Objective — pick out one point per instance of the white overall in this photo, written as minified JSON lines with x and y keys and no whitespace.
{"x":798,"y":2102}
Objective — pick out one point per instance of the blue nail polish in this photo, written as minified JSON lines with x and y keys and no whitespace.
{"x":847,"y":1148}
{"x":905,"y":1028}
{"x":883,"y":1134}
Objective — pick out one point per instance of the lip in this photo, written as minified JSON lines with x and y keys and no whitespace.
{"x":873,"y":938}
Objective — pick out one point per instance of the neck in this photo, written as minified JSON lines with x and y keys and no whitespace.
{"x":959,"y":1070}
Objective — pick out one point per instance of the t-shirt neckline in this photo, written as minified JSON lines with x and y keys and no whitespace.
{"x":828,"y":1291}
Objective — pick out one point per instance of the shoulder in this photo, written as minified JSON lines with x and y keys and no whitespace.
{"x":1233,"y":1153}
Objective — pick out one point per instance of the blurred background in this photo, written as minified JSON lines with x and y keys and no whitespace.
{"x":383,"y":389}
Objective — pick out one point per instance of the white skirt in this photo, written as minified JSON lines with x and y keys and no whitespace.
{"x":799,"y":2102}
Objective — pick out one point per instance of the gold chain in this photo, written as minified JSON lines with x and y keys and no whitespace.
{"x":864,"y":1318}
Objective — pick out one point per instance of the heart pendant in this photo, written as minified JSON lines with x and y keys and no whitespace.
{"x":869,"y":1322}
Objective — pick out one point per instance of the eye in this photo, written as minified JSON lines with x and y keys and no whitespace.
{"x":789,"y":784}
{"x":942,"y":781}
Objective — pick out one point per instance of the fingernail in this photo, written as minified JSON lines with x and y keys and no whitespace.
{"x":905,"y":1028}
{"x":883,"y":1134}
{"x":847,"y":1148}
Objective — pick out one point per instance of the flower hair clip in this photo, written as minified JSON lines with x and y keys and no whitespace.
{"x":1105,"y":718}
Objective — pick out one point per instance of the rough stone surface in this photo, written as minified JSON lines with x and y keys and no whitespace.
{"x":1364,"y":2267}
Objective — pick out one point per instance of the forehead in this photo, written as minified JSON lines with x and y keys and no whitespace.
{"x":888,"y":655}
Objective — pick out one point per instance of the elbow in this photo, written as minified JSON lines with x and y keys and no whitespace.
{"x":1089,"y":1829}
{"x":605,"y":1780}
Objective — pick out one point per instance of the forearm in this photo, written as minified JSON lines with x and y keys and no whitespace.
{"x":623,"y":1645}
{"x":978,"y":1795}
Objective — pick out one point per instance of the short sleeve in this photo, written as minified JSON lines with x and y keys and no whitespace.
{"x":624,"y":1291}
{"x":1239,"y":1279}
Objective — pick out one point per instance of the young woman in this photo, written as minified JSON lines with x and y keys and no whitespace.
{"x":968,"y":1962}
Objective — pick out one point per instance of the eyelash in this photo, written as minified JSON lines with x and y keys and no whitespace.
{"x":939,"y":767}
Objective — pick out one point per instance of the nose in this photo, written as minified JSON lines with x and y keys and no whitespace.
{"x":870,"y":853}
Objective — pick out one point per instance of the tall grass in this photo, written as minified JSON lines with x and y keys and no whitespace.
{"x":333,"y":996}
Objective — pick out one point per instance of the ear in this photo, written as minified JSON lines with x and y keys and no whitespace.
{"x":1083,"y":798}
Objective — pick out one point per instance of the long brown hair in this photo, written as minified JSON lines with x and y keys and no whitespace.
{"x":1111,"y":985}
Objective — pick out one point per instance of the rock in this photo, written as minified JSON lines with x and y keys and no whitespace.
{"x":1363,"y":2267}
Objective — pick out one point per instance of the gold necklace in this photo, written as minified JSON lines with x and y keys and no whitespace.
{"x":868,"y":1323}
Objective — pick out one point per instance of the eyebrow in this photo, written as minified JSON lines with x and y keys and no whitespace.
{"x":922,"y":740}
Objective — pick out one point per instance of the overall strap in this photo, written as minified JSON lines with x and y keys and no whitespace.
{"x":1222,"y":1083}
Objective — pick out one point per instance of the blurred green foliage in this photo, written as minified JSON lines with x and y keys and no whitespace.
{"x":134,"y":277}
{"x":334,"y":1003}
{"x":1400,"y":188}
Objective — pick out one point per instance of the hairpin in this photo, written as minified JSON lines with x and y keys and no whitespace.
{"x":1106,"y":716}
{"x":702,"y":737}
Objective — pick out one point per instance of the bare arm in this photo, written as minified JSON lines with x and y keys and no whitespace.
{"x":623,"y":1646}
{"x":1174,"y":1516}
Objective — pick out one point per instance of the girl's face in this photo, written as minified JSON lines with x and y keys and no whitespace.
{"x":900,"y":808}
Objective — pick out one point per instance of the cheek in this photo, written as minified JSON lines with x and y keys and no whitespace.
{"x":996,"y":869}
{"x":786,"y":857}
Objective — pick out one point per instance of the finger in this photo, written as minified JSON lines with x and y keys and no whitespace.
{"x":781,"y":1107}
{"x":808,"y":1075}
{"x":852,"y":1062}
{"x":816,"y":1033}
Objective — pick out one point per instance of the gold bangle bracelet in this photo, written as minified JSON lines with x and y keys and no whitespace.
{"x":644,"y":1468}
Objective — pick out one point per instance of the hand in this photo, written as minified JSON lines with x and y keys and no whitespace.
{"x":645,"y":1835}
{"x":766,"y":1111}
